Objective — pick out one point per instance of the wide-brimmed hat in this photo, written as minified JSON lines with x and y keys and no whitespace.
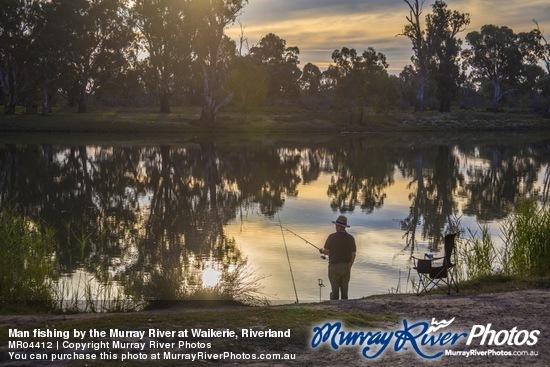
{"x":341,"y":221}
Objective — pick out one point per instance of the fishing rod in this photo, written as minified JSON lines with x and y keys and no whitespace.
{"x":324,"y":257}
{"x":288,"y":258}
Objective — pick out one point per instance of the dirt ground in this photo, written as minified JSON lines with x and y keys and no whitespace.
{"x":522,"y":309}
{"x":525,"y":309}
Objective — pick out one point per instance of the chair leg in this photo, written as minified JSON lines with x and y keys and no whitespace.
{"x":423,"y":284}
{"x":453,"y":281}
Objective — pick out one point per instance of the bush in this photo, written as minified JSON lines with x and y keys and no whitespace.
{"x":27,"y":267}
{"x":526,"y":246}
{"x":526,"y":237}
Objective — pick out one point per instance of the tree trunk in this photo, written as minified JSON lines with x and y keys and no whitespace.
{"x":31,"y":108}
{"x":81,"y":107}
{"x":209,"y":107}
{"x":165,"y":103}
{"x":420,"y":92}
{"x":497,"y":95}
{"x":9,"y":108}
{"x":445,"y":105}
{"x":82,"y":95}
{"x":208,"y":113}
{"x":45,"y":101}
{"x":71,"y":100}
{"x":10,"y":87}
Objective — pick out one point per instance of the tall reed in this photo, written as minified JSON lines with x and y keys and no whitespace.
{"x":477,"y":254}
{"x":526,"y":236}
{"x":27,"y":264}
{"x":83,"y":294}
{"x":525,"y":251}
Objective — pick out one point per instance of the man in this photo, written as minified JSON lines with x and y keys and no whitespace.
{"x":340,"y":246}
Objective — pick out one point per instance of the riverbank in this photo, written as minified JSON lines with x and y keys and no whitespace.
{"x":267,"y":120}
{"x":523,"y":309}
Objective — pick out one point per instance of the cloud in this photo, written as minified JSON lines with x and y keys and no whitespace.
{"x":515,"y":14}
{"x":272,"y":11}
{"x":318,"y":31}
{"x":318,"y":27}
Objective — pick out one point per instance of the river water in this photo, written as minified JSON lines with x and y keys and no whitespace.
{"x":163,"y":218}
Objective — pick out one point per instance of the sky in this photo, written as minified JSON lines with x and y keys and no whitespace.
{"x":318,"y":27}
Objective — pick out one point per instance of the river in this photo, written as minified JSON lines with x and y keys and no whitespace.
{"x":165,"y":219}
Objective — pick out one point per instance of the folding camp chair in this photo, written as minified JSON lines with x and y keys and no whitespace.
{"x":431,"y":275}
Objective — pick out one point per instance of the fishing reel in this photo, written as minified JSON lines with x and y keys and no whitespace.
{"x":324,"y":257}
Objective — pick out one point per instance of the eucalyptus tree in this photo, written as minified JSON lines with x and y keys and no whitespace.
{"x":381,"y":89}
{"x":542,"y":46}
{"x":361,"y":79}
{"x":543,"y":52}
{"x":443,"y":25}
{"x":349,"y":91}
{"x":247,"y":83}
{"x":310,"y":81}
{"x":215,"y":51}
{"x":281,"y":63}
{"x":166,"y":30}
{"x":50,"y":53}
{"x":98,"y":42}
{"x":499,"y":55}
{"x":407,"y":82}
{"x":17,"y":20}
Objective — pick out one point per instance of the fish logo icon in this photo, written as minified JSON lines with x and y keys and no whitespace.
{"x":437,"y":325}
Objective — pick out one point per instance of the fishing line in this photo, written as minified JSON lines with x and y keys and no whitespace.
{"x":300,"y":237}
{"x":324,"y":257}
{"x":288,"y":258}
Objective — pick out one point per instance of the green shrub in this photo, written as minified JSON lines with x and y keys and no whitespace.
{"x":477,"y":254}
{"x":526,"y":246}
{"x":27,"y":266}
{"x":526,"y":236}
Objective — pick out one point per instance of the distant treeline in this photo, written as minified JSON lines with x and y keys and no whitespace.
{"x":166,"y":52}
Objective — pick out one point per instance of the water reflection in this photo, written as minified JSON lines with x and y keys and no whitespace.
{"x":166,"y":222}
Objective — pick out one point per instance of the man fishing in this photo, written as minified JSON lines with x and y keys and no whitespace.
{"x":341,"y":249}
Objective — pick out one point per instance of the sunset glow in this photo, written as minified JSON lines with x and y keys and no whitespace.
{"x":320,"y":27}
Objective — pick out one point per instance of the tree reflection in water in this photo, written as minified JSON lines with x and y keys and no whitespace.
{"x":153,"y":218}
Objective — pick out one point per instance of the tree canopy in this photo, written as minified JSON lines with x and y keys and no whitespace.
{"x":500,"y":56}
{"x":165,"y":52}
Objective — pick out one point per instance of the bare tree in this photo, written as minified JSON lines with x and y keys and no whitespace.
{"x":421,"y":47}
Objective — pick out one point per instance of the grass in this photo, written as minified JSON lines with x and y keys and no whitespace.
{"x":27,"y":267}
{"x":88,"y":296}
{"x":477,"y":255}
{"x":495,"y":283}
{"x":29,"y":277}
{"x":299,"y":318}
{"x":30,"y":280}
{"x":527,"y":241}
{"x":526,"y":250}
{"x":264,"y":120}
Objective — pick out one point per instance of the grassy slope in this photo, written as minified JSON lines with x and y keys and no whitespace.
{"x":297,"y":317}
{"x":265,"y":120}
